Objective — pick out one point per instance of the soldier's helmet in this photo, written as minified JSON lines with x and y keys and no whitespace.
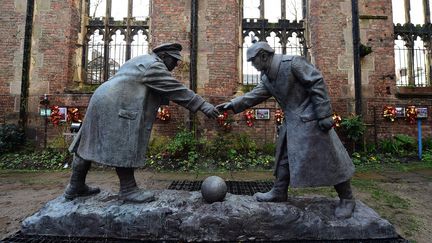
{"x":253,"y":50}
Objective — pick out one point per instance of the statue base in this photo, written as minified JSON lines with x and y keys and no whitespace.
{"x":185,"y":216}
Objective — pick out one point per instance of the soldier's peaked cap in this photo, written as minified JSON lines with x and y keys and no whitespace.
{"x":253,"y":50}
{"x":172,"y":49}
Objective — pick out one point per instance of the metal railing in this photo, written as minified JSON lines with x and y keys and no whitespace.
{"x":96,"y":62}
{"x":109,"y":43}
{"x":411,"y":67}
{"x":285,"y":37}
{"x":251,"y":76}
{"x":413,"y":54}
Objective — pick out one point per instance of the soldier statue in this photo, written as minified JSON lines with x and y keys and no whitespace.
{"x":309,"y":153}
{"x":119,"y":119}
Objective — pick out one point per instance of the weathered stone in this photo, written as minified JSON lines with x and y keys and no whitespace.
{"x":185,"y":216}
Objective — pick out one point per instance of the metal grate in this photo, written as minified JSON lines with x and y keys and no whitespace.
{"x":234,"y":187}
{"x":20,"y":237}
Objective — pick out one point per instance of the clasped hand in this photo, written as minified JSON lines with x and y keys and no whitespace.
{"x":209,"y":110}
{"x":225,"y":106}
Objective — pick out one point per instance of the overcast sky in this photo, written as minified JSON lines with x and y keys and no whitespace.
{"x":416,"y":13}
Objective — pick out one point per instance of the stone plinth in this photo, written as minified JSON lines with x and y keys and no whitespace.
{"x":182,"y":215}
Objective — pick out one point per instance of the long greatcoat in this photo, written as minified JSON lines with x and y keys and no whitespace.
{"x":119,"y":119}
{"x":315,"y":157}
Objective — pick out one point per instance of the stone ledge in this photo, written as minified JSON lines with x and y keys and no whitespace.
{"x":182,"y":215}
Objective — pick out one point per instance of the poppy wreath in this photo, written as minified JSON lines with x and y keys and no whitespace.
{"x":250,"y":117}
{"x":163,"y":114}
{"x":411,"y":114}
{"x":279,"y":116}
{"x":224,"y":121}
{"x":337,"y":120}
{"x":56,"y":116}
{"x":74,"y":115}
{"x":389,"y":113}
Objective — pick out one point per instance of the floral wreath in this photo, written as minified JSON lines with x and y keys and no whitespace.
{"x":163,"y":114}
{"x":389,"y":113}
{"x":337,"y":120}
{"x":224,"y":121}
{"x":279,"y":116}
{"x":56,"y":116}
{"x":73,"y":115}
{"x":250,"y":117}
{"x":411,"y":114}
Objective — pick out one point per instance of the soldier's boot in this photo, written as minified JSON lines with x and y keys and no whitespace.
{"x":129,"y":191}
{"x":279,"y":191}
{"x":77,"y":186}
{"x":347,"y":203}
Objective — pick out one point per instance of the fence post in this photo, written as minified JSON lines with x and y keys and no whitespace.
{"x":419,"y":137}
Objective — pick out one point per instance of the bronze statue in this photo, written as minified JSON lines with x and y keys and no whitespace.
{"x":309,"y":153}
{"x":120,"y":116}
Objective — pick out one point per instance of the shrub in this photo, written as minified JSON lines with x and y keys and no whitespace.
{"x":427,"y":143}
{"x":221,"y":147}
{"x":427,"y":157}
{"x":268,"y":148}
{"x":35,"y":160}
{"x":244,"y":144}
{"x":181,"y":144}
{"x":406,"y":142}
{"x":157,"y":145}
{"x":11,"y":137}
{"x":400,"y":144}
{"x":226,"y":151}
{"x":353,"y":127}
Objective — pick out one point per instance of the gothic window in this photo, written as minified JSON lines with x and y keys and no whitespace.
{"x":279,"y":22}
{"x":117,"y":31}
{"x":412,"y":42}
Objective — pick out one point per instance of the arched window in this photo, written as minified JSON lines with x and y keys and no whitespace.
{"x":117,"y":31}
{"x":279,"y":22}
{"x":412,"y":42}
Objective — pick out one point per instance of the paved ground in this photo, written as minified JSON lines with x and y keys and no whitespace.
{"x":402,"y":198}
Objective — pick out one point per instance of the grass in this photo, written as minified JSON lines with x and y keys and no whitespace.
{"x":389,"y":205}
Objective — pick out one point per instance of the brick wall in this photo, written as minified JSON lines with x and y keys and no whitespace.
{"x":331,"y":40}
{"x":217,"y":74}
{"x":56,"y":30}
{"x":378,"y":74}
{"x":55,"y":33}
{"x":12,"y":22}
{"x":331,"y":50}
{"x":170,"y":22}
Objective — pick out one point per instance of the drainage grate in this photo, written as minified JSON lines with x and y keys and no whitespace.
{"x":19,"y":237}
{"x":233,"y":187}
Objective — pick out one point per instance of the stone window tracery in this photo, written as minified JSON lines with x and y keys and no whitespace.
{"x":279,"y":22}
{"x":115,"y":31}
{"x":412,"y":33}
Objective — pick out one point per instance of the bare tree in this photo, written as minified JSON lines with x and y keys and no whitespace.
{"x":293,"y":8}
{"x":95,"y":4}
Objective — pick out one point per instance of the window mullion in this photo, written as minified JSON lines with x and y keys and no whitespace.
{"x":129,"y":36}
{"x":107,"y":39}
{"x":261,"y":7}
{"x":283,"y":9}
{"x":427,"y":44}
